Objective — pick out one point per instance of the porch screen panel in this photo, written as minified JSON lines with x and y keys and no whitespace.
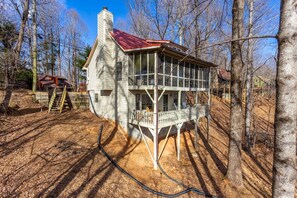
{"x":196,"y":75}
{"x":151,"y":65}
{"x":144,"y":68}
{"x":192,"y":75}
{"x":174,"y":72}
{"x":207,"y":78}
{"x":131,"y":70}
{"x":187,"y":75}
{"x":161,"y":63}
{"x":167,"y":71}
{"x":137,"y":68}
{"x":203,"y":77}
{"x":200,"y":77}
{"x":181,"y":74}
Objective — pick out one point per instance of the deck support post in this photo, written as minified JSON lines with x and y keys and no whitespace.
{"x":208,"y":105}
{"x":196,"y":98}
{"x":179,"y":100}
{"x":196,"y":134}
{"x":178,"y":127}
{"x":156,"y":124}
{"x":178,"y":144}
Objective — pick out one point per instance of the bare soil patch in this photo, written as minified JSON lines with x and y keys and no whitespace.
{"x":56,"y":155}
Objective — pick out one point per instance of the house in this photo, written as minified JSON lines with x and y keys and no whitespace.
{"x":49,"y":81}
{"x":224,"y":77}
{"x":142,"y":84}
{"x":262,"y":82}
{"x":221,"y":82}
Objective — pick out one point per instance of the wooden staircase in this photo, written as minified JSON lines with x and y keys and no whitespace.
{"x":59,"y":101}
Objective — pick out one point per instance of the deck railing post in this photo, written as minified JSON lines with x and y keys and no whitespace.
{"x":178,"y":143}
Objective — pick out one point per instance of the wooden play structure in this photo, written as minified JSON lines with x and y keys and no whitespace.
{"x":59,"y":100}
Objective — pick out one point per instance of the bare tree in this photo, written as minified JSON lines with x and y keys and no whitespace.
{"x":34,"y":55}
{"x":249,"y":78}
{"x":234,"y":172}
{"x":23,"y":13}
{"x":284,"y":164}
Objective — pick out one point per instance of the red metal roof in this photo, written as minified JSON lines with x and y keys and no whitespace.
{"x":224,"y":74}
{"x":130,"y":42}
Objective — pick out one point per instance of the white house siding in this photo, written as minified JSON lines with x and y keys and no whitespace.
{"x":114,"y":98}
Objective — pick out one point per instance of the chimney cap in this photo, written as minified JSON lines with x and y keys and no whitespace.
{"x":105,"y":8}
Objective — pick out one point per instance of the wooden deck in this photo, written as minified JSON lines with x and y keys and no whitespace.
{"x":168,"y":118}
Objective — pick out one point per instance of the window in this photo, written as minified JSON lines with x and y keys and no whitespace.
{"x":119,"y":71}
{"x":96,"y":98}
{"x":165,"y":102}
{"x":137,"y":101}
{"x":146,"y":103}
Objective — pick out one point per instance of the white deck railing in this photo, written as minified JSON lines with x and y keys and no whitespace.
{"x":168,"y":118}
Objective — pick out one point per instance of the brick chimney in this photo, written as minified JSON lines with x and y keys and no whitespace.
{"x":105,"y":25}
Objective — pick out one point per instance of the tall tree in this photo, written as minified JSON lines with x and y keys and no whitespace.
{"x":34,"y":56}
{"x":284,"y":164}
{"x":17,"y":50}
{"x":234,"y":172}
{"x":249,"y":77}
{"x":81,"y":60}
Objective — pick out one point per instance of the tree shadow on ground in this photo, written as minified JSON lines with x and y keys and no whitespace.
{"x":206,"y":169}
{"x":22,"y":112}
{"x":220,"y":165}
{"x":64,"y":180}
{"x":195,"y":167}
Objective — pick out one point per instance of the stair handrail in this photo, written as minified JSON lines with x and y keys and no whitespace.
{"x":63,"y":99}
{"x":51,"y":102}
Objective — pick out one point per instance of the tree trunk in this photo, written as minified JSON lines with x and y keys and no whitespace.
{"x":74,"y":68}
{"x":284,"y":164}
{"x":34,"y":56}
{"x":52,"y":52}
{"x":249,"y":77}
{"x":59,"y":55}
{"x":46,"y":51}
{"x":234,"y":172}
{"x":17,"y":52}
{"x":69,"y":62}
{"x":21,"y":33}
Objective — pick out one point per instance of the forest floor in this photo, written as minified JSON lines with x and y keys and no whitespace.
{"x":55,"y":155}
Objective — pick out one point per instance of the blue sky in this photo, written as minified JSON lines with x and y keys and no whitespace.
{"x":88,"y":10}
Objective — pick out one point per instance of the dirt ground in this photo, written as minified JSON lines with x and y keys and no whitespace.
{"x":56,"y":155}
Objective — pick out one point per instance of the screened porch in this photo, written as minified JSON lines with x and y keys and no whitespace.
{"x":173,"y":73}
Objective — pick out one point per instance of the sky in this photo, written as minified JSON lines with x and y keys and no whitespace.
{"x":88,"y":10}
